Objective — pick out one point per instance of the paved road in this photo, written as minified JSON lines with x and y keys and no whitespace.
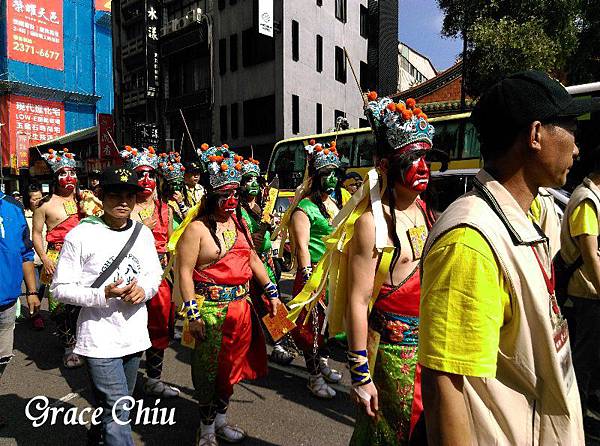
{"x":277,"y":410}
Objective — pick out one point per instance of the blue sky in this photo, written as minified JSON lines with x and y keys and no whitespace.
{"x":419,"y":26}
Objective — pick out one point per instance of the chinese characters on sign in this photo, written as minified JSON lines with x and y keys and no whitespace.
{"x":22,"y":149}
{"x":35,"y":32}
{"x":106,"y":148}
{"x":35,"y":120}
{"x":152,"y":34}
{"x":145,"y":134}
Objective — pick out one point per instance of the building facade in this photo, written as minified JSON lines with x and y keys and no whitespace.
{"x":236,"y":85}
{"x":414,"y":68}
{"x":55,"y":72}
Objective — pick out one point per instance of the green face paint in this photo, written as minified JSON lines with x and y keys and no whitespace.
{"x":329,"y":182}
{"x":252,"y":187}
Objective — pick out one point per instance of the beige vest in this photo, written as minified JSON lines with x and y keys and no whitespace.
{"x":580,"y":285}
{"x":549,"y":220}
{"x":534,"y":398}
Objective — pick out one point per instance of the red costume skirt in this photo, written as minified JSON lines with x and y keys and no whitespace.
{"x":233,"y":350}
{"x":161,"y":316}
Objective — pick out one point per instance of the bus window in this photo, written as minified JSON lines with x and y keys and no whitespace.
{"x":288,"y":163}
{"x":363,"y":149}
{"x":471,"y":148}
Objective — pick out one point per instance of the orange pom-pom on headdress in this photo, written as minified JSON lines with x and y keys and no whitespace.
{"x":407,"y":114}
{"x":224,"y":167}
{"x":410,"y":102}
{"x":372,"y":95}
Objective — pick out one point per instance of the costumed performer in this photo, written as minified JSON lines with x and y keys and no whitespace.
{"x":321,"y":199}
{"x":60,"y":212}
{"x":251,"y":210}
{"x":215,"y":263}
{"x":152,"y":210}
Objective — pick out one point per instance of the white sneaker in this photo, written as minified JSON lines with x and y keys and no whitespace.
{"x":228,"y":432}
{"x":156,"y":387}
{"x":319,"y":388}
{"x":205,"y":435}
{"x":331,"y":375}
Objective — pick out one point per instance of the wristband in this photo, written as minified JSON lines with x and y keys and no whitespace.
{"x":191,"y":311}
{"x":359,"y":367}
{"x":306,"y":273}
{"x":271,"y":291}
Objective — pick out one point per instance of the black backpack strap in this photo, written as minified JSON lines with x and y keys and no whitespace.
{"x":117,"y":261}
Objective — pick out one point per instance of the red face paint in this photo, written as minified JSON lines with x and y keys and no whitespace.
{"x":228,"y":201}
{"x":147,"y":180}
{"x":416,"y":176}
{"x":67,"y":179}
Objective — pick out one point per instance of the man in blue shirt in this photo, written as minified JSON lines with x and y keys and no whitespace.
{"x":16,"y":264}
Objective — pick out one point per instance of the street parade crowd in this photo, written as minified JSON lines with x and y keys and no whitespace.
{"x":454,"y":322}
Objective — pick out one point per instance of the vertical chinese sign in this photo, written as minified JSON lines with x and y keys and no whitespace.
{"x":106,"y":149}
{"x":31,"y":120}
{"x":152,"y":33}
{"x":35,"y":32}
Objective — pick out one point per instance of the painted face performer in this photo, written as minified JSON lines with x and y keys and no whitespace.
{"x":153,"y":212}
{"x":374,"y":278}
{"x":59,"y":212}
{"x":215,"y":262}
{"x":388,"y":393}
{"x":251,"y":210}
{"x":310,"y":222}
{"x":173,"y":172}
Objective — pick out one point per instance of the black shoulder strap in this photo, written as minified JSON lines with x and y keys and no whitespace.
{"x":117,"y":261}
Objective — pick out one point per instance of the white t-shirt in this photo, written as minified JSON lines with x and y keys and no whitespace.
{"x":106,"y":328}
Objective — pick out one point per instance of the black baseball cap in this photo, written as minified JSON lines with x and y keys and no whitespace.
{"x":192,"y":167}
{"x":522,"y":98}
{"x":119,"y":177}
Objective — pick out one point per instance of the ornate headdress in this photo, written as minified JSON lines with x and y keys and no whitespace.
{"x":324,"y":155}
{"x":170,"y":167}
{"x":59,"y":160}
{"x":135,"y":158}
{"x":398,"y":123}
{"x":224,"y":167}
{"x":251,"y":167}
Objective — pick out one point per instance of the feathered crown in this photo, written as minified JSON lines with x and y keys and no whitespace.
{"x":170,"y":167}
{"x":59,"y":160}
{"x":224,"y":166}
{"x":135,"y":158}
{"x":399,"y":123}
{"x":251,"y":167}
{"x":324,"y":155}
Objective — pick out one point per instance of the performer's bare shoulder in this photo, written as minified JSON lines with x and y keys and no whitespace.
{"x":197,"y":241}
{"x":51,"y":213}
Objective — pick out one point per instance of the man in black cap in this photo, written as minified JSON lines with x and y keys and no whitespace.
{"x":193,"y":189}
{"x":493,"y":345}
{"x":109,"y":267}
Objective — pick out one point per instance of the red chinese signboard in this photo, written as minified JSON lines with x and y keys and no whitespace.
{"x":106,"y":148}
{"x":37,"y":120}
{"x":103,"y":5}
{"x":35,"y":32}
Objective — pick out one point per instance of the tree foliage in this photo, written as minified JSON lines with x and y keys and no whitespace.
{"x":505,"y":36}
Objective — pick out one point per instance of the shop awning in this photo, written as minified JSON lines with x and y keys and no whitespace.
{"x":77,"y":135}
